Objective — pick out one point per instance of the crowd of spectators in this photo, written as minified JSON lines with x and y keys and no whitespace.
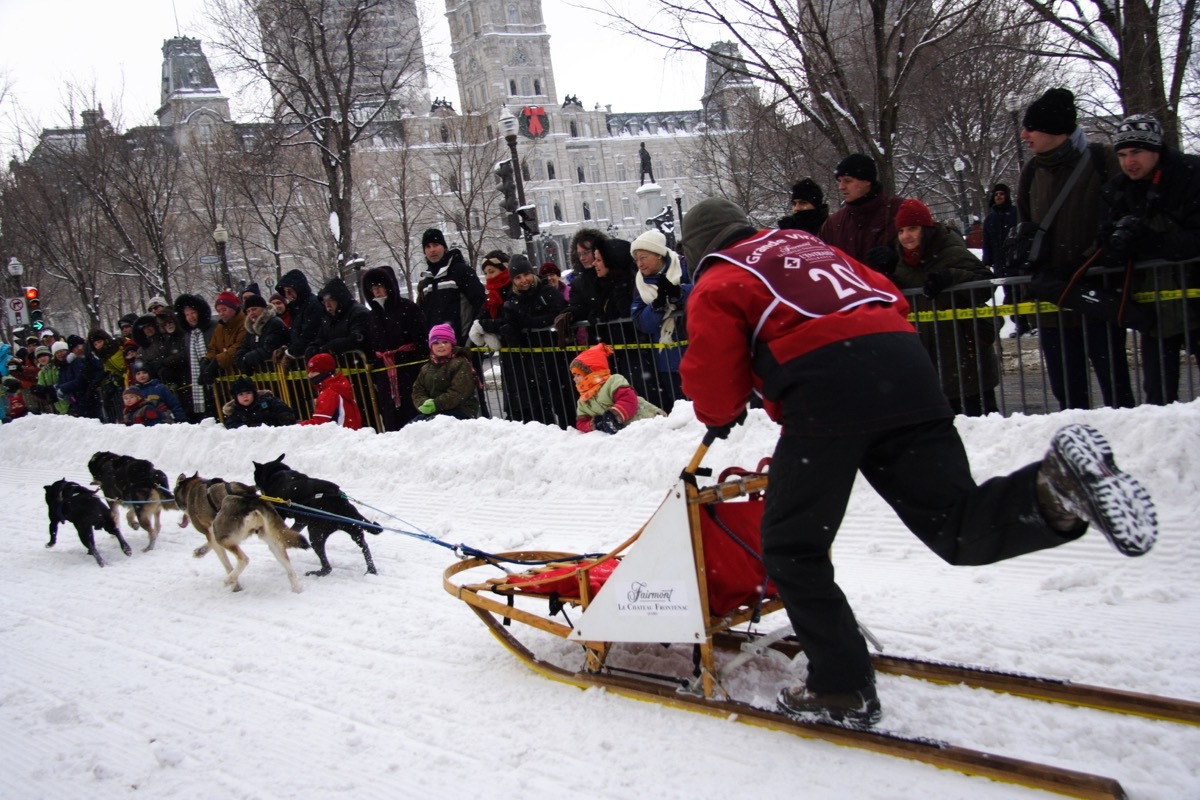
{"x":1092,"y":203}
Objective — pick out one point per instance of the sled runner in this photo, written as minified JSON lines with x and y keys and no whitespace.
{"x":691,"y":575}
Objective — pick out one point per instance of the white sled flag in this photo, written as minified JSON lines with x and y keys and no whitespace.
{"x":653,"y":595}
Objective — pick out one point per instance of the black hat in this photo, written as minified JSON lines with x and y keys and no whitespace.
{"x":807,"y":190}
{"x":127,"y":321}
{"x":250,"y":288}
{"x":858,"y":166}
{"x":242,"y":384}
{"x":1053,"y":113}
{"x":74,"y":340}
{"x":254,"y":301}
{"x":520,"y":264}
{"x":1140,"y":130}
{"x":433,"y":236}
{"x":138,"y":365}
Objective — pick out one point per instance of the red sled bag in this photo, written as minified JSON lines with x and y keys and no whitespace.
{"x":733,"y":566}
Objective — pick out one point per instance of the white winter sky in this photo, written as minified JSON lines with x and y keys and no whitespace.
{"x":117,"y":49}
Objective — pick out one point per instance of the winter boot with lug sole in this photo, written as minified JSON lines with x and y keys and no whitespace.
{"x":1084,"y":480}
{"x":858,"y":709}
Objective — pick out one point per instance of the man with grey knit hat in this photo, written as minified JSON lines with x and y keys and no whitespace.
{"x":1068,"y":339}
{"x":1154,"y":212}
{"x":826,"y":342}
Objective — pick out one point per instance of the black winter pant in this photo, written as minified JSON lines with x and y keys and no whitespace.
{"x":922,"y":471}
{"x":1067,"y":352}
{"x":1160,"y":364}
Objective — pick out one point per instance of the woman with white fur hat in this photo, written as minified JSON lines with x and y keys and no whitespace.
{"x":662,"y":286}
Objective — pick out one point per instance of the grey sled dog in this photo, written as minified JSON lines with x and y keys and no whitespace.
{"x":228,"y":513}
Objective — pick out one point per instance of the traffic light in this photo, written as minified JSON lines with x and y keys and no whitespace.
{"x":529,"y":222}
{"x":33,"y":304}
{"x":506,"y":184}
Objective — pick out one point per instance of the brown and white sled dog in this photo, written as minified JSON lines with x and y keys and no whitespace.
{"x":237,"y":513}
{"x":135,"y":483}
{"x":191,"y":495}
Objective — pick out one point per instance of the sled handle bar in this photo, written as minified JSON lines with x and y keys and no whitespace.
{"x":694,"y":465}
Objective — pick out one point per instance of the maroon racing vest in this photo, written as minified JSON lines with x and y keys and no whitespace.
{"x":804,"y":272}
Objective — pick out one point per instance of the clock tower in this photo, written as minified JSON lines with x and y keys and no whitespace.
{"x":501,"y":54}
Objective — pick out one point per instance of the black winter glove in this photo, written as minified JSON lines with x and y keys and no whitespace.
{"x":938,"y":282}
{"x":1125,"y":234}
{"x":667,"y":291}
{"x":722,"y":431}
{"x":882,"y":259}
{"x":606,"y":423}
{"x":208,"y":372}
{"x":509,"y":334}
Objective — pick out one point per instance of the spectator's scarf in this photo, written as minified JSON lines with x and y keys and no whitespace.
{"x":196,"y":352}
{"x":494,"y":299}
{"x":672,"y":271}
{"x":388,"y":357}
{"x":590,"y":370}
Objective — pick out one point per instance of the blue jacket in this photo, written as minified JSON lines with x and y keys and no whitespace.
{"x":649,"y":320}
{"x":79,"y":384}
{"x":156,"y":388}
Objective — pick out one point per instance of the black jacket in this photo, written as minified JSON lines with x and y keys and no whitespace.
{"x":263,"y":338}
{"x":266,"y":409}
{"x":524,"y":311}
{"x":305,"y":313}
{"x":348,"y":329}
{"x":995,"y":230}
{"x":398,"y":321}
{"x":452,"y":293}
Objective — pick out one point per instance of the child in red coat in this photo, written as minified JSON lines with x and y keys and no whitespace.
{"x":335,"y":402}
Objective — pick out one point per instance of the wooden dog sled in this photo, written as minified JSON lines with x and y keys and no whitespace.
{"x":690,"y":576}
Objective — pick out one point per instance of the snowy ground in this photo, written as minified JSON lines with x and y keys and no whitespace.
{"x":148,"y":678}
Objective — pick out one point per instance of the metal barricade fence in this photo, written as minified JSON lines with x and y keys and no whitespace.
{"x":532,"y":382}
{"x":291,"y":385}
{"x":1096,"y":362}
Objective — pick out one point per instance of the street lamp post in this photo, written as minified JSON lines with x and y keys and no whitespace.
{"x":509,"y":126}
{"x":678,"y":192}
{"x":1014,"y":104}
{"x":959,"y":166}
{"x":221,"y":237}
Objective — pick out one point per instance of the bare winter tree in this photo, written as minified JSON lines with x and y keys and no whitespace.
{"x":60,"y":233}
{"x":335,"y":68}
{"x":133,"y":180}
{"x":464,"y":159}
{"x":272,"y":204}
{"x":846,"y":68}
{"x":966,"y":109}
{"x":756,"y":159}
{"x":396,"y":200}
{"x":1143,"y":50}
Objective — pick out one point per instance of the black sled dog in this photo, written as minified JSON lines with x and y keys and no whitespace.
{"x":136,"y":483}
{"x":70,"y":502}
{"x":277,"y":479}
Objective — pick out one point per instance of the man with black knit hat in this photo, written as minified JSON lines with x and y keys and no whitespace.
{"x":809,"y":210}
{"x":867,"y":217}
{"x":999,"y":221}
{"x":826,"y":342}
{"x":450,"y":291}
{"x":1154,"y":212}
{"x":1064,"y":161}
